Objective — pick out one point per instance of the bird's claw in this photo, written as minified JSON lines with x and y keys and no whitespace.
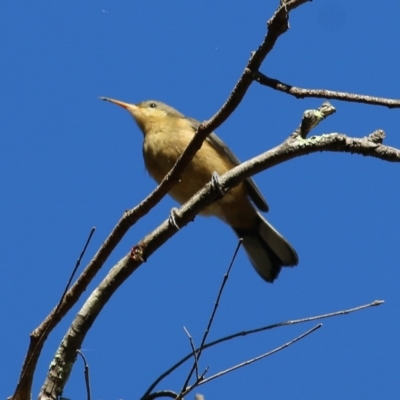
{"x":171,"y":219}
{"x":216,"y":183}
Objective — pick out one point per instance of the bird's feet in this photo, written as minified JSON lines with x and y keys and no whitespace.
{"x":216,"y":184}
{"x":172,"y":220}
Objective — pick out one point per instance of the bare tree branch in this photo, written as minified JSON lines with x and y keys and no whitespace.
{"x":277,"y":25}
{"x":197,"y":354}
{"x":195,"y":362}
{"x":39,"y":336}
{"x":312,"y":118}
{"x":257,"y":330}
{"x":293,"y":147}
{"x":87,"y":375}
{"x":162,"y":393}
{"x":248,"y":362}
{"x":301,"y":93}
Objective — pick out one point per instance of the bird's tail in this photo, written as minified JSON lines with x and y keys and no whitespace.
{"x":267,"y":249}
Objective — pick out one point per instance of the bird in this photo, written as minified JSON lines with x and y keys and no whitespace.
{"x":166,"y":134}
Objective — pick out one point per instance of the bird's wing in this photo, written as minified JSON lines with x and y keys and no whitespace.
{"x":222,"y":148}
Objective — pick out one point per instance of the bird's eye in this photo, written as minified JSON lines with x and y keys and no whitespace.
{"x":153,"y":105}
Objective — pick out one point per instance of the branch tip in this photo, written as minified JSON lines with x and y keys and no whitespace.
{"x":312,"y":118}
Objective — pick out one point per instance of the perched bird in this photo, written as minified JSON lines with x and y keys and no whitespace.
{"x":167,"y":133}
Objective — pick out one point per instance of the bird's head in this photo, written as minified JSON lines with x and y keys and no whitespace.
{"x":149,"y":113}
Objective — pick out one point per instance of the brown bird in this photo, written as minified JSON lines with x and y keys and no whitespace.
{"x":167,"y":133}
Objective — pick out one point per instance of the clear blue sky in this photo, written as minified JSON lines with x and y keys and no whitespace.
{"x":69,"y":161}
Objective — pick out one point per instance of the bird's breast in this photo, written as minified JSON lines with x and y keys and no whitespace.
{"x":161,"y":150}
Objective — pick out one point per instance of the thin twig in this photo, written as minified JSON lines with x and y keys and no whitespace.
{"x":162,"y":393}
{"x":195,"y":384}
{"x":78,"y":263}
{"x":210,"y":321}
{"x":248,"y":362}
{"x":196,"y":364}
{"x":37,"y":345}
{"x":301,"y":93}
{"x":87,"y":375}
{"x":264,"y":328}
